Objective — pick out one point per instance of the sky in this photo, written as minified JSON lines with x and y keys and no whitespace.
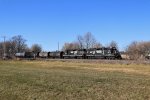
{"x":47,"y":22}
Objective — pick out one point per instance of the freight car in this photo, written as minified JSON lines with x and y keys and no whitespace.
{"x":25,"y":55}
{"x":56,"y":54}
{"x":43,"y":54}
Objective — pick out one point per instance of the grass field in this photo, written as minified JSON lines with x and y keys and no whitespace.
{"x":71,"y":80}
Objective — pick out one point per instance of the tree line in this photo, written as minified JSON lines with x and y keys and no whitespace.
{"x":87,"y":41}
{"x":138,"y":50}
{"x":135,"y":50}
{"x":17,"y":44}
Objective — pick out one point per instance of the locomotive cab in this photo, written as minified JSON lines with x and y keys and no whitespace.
{"x":116,"y":53}
{"x":147,"y":55}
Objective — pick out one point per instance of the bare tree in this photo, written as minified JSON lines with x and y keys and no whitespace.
{"x":18,"y":44}
{"x":97,"y":45}
{"x":80,"y":41}
{"x":137,"y":50}
{"x":65,"y":46}
{"x":36,"y":48}
{"x":132,"y":50}
{"x":83,"y":42}
{"x":89,"y":40}
{"x":113,"y":44}
{"x":1,"y":50}
{"x":7,"y":48}
{"x":71,"y":46}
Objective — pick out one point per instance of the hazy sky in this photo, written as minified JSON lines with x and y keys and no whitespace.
{"x":48,"y":22}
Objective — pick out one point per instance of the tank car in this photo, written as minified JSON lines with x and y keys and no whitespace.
{"x":22,"y":55}
{"x":56,"y":54}
{"x":43,"y":54}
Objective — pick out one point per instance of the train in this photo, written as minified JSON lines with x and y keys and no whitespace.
{"x":94,"y":53}
{"x":147,"y":56}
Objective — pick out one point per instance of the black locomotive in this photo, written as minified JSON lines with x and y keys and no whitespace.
{"x":147,"y":55}
{"x":75,"y":54}
{"x":94,"y":53}
{"x":103,"y":53}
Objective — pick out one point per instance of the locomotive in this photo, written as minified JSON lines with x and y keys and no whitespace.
{"x":147,"y":55}
{"x":75,"y":54}
{"x":94,"y":53}
{"x":103,"y":53}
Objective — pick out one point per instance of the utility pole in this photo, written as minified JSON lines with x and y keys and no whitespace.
{"x":58,"y":46}
{"x":4,"y":47}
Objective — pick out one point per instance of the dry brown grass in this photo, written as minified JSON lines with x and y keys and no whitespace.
{"x":74,"y":80}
